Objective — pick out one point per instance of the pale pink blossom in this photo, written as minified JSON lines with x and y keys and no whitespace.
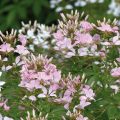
{"x":66,"y":47}
{"x":23,"y":39}
{"x":83,"y":102}
{"x":86,"y":26}
{"x":105,"y":27}
{"x":118,"y":59}
{"x":116,"y":40}
{"x":4,"y":105}
{"x":115,"y":72}
{"x":21,"y":50}
{"x":6,"y":47}
{"x":88,"y":92}
{"x":80,"y":117}
{"x":83,"y":38}
{"x":47,"y":93}
{"x":96,"y":38}
{"x":65,"y":100}
{"x":83,"y":51}
{"x":58,"y":35}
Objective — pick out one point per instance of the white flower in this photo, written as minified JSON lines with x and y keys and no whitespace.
{"x":5,"y":118}
{"x":32,"y":98}
{"x":2,"y":83}
{"x":0,"y":73}
{"x":115,"y":88}
{"x":38,"y":34}
{"x":114,"y":8}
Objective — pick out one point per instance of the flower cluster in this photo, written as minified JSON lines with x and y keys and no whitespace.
{"x":37,"y":35}
{"x":76,"y":37}
{"x":38,"y":70}
{"x":114,"y":8}
{"x":38,"y":73}
{"x":9,"y":48}
{"x":69,"y":5}
{"x":42,"y":81}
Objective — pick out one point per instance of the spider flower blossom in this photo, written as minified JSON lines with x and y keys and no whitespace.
{"x":106,"y":27}
{"x":8,"y":47}
{"x":76,"y":36}
{"x":36,"y":35}
{"x":4,"y":105}
{"x":72,"y":87}
{"x":115,"y":72}
{"x":38,"y":73}
{"x":21,"y":50}
{"x":38,"y":70}
{"x":73,"y":33}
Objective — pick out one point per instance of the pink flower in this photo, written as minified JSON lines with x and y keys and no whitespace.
{"x":115,"y":72}
{"x":86,"y":26}
{"x":58,"y":35}
{"x":102,"y":54}
{"x":1,"y":104}
{"x":96,"y":38}
{"x":52,"y":73}
{"x":47,"y":93}
{"x":104,"y":27}
{"x":118,"y":59}
{"x":6,"y":108}
{"x":66,"y":100}
{"x":83,"y":38}
{"x":88,"y":92}
{"x":116,"y":40}
{"x":23,"y":39}
{"x":5,"y":47}
{"x":22,"y":50}
{"x":39,"y":71}
{"x":83,"y":102}
{"x":80,"y":117}
{"x":83,"y":51}
{"x":54,"y":87}
{"x":4,"y":105}
{"x":66,"y":46}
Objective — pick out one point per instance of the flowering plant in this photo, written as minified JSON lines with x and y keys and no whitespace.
{"x":76,"y":82}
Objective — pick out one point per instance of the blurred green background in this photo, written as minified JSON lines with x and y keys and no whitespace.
{"x":12,"y":12}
